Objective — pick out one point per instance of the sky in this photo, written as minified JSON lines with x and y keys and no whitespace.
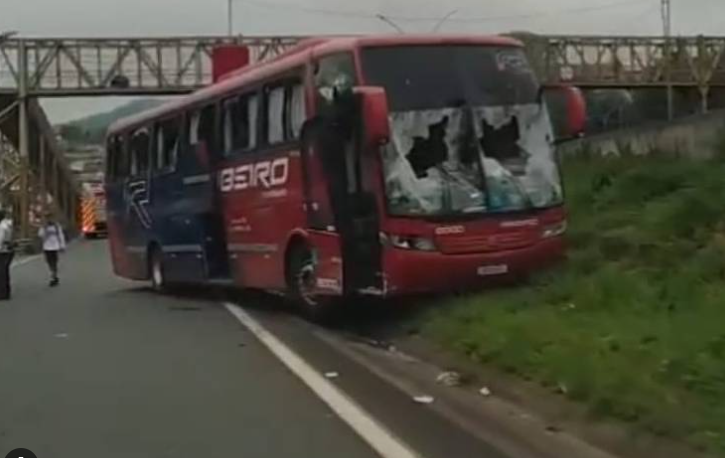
{"x":125,"y":18}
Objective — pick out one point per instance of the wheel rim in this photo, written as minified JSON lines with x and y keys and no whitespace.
{"x":158,"y":275}
{"x":307,"y":282}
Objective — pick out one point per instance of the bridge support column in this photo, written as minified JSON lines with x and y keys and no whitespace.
{"x":23,"y":218}
{"x":43,"y":185}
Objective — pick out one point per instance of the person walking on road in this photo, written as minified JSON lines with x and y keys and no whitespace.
{"x":53,"y":244}
{"x":7,"y":253}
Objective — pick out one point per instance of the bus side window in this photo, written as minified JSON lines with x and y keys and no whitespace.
{"x":240,"y":124}
{"x":193,"y":128}
{"x":250,"y":104}
{"x":168,"y":140}
{"x":229,"y":118}
{"x":274,"y":115}
{"x":122,"y":163}
{"x":112,"y":157}
{"x":140,"y":145}
{"x":206,"y":129}
{"x":296,"y":113}
{"x":333,"y":73}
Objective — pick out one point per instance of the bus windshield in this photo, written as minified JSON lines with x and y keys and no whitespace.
{"x":468,"y":133}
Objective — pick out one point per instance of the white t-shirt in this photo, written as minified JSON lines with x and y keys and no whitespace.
{"x":6,"y":233}
{"x":52,"y":237}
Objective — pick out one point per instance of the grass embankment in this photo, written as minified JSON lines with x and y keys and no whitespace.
{"x":633,"y":324}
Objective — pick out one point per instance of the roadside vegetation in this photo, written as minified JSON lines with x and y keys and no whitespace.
{"x":633,"y":324}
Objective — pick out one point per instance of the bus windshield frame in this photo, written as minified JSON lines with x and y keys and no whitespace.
{"x":470,"y":134}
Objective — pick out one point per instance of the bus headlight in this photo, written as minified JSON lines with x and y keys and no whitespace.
{"x":404,"y":242}
{"x":422,"y":244}
{"x":555,"y":230}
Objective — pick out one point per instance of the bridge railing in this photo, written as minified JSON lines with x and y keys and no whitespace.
{"x":101,"y":66}
{"x":629,"y":62}
{"x":168,"y":65}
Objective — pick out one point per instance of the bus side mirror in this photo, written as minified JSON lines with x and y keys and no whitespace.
{"x":373,"y":103}
{"x":576,"y":110}
{"x":568,"y":109}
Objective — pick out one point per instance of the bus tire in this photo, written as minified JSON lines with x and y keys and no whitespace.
{"x":156,"y":270}
{"x":301,"y":285}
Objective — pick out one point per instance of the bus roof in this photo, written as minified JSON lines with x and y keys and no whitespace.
{"x":294,"y":57}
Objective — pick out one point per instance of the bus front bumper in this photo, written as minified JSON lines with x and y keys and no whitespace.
{"x":418,"y":272}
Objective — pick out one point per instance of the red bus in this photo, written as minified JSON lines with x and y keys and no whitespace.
{"x":346,"y":166}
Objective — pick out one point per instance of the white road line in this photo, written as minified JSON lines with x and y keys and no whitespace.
{"x":24,"y":261}
{"x":372,"y":432}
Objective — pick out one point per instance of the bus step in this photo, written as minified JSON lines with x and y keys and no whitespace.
{"x":221,"y":282}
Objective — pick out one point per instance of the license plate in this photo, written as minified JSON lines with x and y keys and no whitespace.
{"x":487,"y":271}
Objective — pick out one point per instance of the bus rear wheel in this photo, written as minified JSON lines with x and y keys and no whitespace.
{"x":302,"y":285}
{"x":156,"y":265}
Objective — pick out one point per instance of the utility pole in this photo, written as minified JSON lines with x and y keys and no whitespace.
{"x":667,"y":32}
{"x":230,"y":17}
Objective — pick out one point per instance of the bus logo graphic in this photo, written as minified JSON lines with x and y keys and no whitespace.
{"x":137,"y":197}
{"x":266,"y":174}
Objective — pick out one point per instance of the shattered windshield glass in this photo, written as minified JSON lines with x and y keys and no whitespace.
{"x":468,"y":135}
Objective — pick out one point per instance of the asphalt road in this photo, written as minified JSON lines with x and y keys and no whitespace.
{"x":104,"y":368}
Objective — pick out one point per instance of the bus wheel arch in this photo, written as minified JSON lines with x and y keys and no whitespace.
{"x":301,"y":278}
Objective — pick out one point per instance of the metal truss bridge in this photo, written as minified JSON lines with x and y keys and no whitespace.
{"x":35,"y":174}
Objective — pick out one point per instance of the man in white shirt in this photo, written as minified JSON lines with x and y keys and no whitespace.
{"x":7,"y":254}
{"x":53,"y":243}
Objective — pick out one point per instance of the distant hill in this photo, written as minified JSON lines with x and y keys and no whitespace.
{"x":92,"y":129}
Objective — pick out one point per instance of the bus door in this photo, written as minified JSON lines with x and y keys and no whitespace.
{"x":201,"y":184}
{"x":137,"y":222}
{"x":172,"y":207}
{"x":362,"y":251}
{"x":339,"y":190}
{"x":116,"y":174}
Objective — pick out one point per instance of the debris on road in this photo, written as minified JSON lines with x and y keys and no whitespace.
{"x":61,"y":336}
{"x":331,"y":375}
{"x":570,"y":307}
{"x":485,"y":392}
{"x":381,"y":344}
{"x":424,"y":399}
{"x":183,"y":308}
{"x":449,"y":379}
{"x":562,"y":388}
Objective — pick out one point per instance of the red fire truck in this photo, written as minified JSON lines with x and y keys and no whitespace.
{"x":347,"y":166}
{"x":93,"y":210}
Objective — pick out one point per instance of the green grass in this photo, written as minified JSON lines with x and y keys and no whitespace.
{"x":633,"y":324}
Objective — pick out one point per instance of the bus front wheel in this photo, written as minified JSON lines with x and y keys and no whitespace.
{"x":302,"y":285}
{"x":156,"y":264}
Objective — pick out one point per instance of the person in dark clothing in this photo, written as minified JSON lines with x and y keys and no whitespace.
{"x":7,"y":253}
